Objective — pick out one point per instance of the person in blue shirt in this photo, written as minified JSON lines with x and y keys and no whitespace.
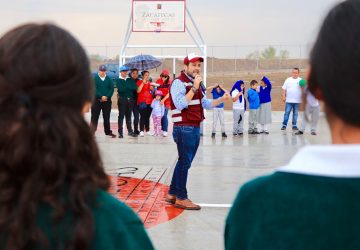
{"x":218,"y":91}
{"x":254,"y":105}
{"x":265,"y":105}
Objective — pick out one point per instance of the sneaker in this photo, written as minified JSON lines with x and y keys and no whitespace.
{"x":313,"y":133}
{"x":250,"y":132}
{"x":266,"y":132}
{"x":121,"y":136}
{"x":165,"y":134}
{"x":186,"y":204}
{"x":240,"y":134}
{"x":235,"y":134}
{"x":256,"y":132}
{"x":132,"y":134}
{"x":262,"y":132}
{"x":283,"y":128}
{"x":224,"y":135}
{"x":137,"y":132}
{"x":151,"y":133}
{"x":141,"y":134}
{"x":213,"y":135}
{"x":295,"y":128}
{"x":299,"y":132}
{"x":111,"y":135}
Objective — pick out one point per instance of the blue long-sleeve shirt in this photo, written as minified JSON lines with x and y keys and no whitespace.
{"x":217,"y":95}
{"x":254,"y":99}
{"x":178,"y":92}
{"x":265,"y":93}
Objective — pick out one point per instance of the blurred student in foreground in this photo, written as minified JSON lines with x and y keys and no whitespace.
{"x":313,"y":202}
{"x":53,"y":185}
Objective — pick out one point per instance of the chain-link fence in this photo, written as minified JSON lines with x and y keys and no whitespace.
{"x":221,"y":59}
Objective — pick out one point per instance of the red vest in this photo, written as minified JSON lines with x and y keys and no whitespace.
{"x":194,"y":113}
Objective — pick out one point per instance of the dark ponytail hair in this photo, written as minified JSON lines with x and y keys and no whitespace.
{"x":48,"y":155}
{"x":335,"y":62}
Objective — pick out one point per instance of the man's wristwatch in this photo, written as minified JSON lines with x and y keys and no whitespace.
{"x":194,"y":89}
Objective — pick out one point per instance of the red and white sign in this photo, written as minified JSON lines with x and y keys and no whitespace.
{"x":158,"y":16}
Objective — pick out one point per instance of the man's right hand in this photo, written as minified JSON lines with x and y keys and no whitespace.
{"x":197,"y":81}
{"x":104,"y":98}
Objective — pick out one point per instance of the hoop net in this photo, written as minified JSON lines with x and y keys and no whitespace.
{"x":157,"y":26}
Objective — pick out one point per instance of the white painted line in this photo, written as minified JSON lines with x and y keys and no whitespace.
{"x":216,"y":205}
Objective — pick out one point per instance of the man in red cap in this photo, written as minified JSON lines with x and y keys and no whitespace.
{"x":187,"y":102}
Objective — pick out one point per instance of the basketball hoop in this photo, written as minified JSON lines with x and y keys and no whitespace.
{"x":157,"y":26}
{"x":158,"y":16}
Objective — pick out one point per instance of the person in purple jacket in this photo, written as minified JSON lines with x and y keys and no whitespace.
{"x":158,"y":111}
{"x":265,"y":105}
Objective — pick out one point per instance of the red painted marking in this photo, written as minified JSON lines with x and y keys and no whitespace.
{"x":146,"y":198}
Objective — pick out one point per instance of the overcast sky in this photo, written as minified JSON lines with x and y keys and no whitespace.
{"x":226,"y":22}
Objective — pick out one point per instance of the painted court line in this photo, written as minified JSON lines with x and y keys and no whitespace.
{"x":216,"y":205}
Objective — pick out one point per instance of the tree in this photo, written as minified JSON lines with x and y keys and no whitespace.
{"x":284,"y":54}
{"x":253,"y":56}
{"x":96,"y":57}
{"x":268,"y":53}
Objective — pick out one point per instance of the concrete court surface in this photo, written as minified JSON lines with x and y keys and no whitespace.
{"x":220,"y":167}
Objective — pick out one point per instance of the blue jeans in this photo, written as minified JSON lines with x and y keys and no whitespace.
{"x":164,"y":121}
{"x":187,"y":139}
{"x":288,"y":108}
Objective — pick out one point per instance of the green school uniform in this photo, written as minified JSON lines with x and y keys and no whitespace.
{"x":313,"y":203}
{"x":116,"y":226}
{"x":103,"y":88}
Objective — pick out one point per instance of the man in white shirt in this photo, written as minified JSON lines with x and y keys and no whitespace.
{"x":291,"y":95}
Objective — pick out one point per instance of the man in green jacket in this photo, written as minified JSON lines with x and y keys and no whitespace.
{"x":126,"y":101}
{"x":104,"y":87}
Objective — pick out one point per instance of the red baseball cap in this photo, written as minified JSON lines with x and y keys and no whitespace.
{"x":165,"y":72}
{"x":192,"y":58}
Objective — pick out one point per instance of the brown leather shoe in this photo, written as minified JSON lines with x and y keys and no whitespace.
{"x":186,"y":204}
{"x":170,"y":199}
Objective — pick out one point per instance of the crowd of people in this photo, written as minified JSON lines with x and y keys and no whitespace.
{"x":138,"y":97}
{"x":54,"y":189}
{"x":141,"y":98}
